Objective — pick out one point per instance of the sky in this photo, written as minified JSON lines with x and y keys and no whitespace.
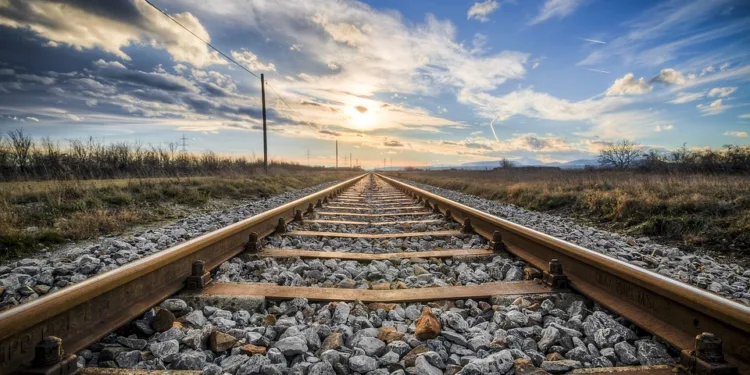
{"x":409,"y":82}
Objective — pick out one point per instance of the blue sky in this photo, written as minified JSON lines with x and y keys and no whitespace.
{"x":418,"y":82}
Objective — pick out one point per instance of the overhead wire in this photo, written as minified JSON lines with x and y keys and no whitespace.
{"x":224,"y":55}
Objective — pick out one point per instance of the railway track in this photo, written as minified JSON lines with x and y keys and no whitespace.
{"x":372,"y":253}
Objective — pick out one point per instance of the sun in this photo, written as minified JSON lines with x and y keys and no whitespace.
{"x":363,"y":117}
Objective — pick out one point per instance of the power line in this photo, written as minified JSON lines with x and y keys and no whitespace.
{"x":201,"y":39}
{"x":221,"y":53}
{"x":184,"y":143}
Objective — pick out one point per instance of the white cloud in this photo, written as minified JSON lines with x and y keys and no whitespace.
{"x":686,"y":97}
{"x":669,"y":76}
{"x":557,"y":9}
{"x":663,"y":128}
{"x":737,"y":134}
{"x":480,"y":11}
{"x":32,"y":119}
{"x":661,"y":33}
{"x":716,"y":107}
{"x":88,"y":25}
{"x":295,"y":47}
{"x":594,"y":41}
{"x":36,"y":79}
{"x":706,"y":70}
{"x":6,"y":72}
{"x":250,"y":61}
{"x":721,"y":91}
{"x":744,"y":115}
{"x":629,"y":85}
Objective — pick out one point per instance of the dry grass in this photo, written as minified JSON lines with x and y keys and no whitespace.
{"x":41,"y":214}
{"x":692,"y":210}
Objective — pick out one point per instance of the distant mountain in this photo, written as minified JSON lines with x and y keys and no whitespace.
{"x":522,"y":162}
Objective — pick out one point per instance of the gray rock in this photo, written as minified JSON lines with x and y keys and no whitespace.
{"x":371,"y":345}
{"x":189,"y":361}
{"x":559,"y":367}
{"x":165,"y":350}
{"x":425,"y":368}
{"x":321,"y":368}
{"x":250,"y":365}
{"x":362,"y":363}
{"x":291,"y":346}
{"x":550,"y":335}
{"x":652,"y":353}
{"x":128,"y":359}
{"x":626,"y":353}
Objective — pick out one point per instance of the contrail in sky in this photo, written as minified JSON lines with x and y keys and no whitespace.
{"x":593,"y":41}
{"x":493,"y":128}
{"x":598,"y":71}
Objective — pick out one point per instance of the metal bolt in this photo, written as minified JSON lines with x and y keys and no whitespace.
{"x":467,"y":228}
{"x":319,"y":204}
{"x":708,"y":348}
{"x":281,"y":226}
{"x":555,"y":267}
{"x":48,"y":352}
{"x":435,"y":208}
{"x":298,"y":215}
{"x":310,"y":209}
{"x":199,"y":268}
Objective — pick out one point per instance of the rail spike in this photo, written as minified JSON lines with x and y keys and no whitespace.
{"x":253,"y":244}
{"x":435,"y":208}
{"x":467,"y":228}
{"x":281,"y":226}
{"x":199,"y":278}
{"x":554,"y":277}
{"x":298,"y":216}
{"x":707,"y":357}
{"x":497,"y":244}
{"x":50,"y":358}
{"x":319,"y":204}
{"x":310,"y":209}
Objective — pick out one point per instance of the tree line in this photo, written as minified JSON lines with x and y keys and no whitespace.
{"x":732,"y":159}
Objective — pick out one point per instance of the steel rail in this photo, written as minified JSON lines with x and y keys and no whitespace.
{"x":85,"y":312}
{"x":675,"y":311}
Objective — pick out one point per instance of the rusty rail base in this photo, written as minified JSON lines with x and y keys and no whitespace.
{"x":273,"y":291}
{"x":447,"y":253}
{"x":85,"y":312}
{"x":437,"y":233}
{"x":331,"y":213}
{"x":374,"y":223}
{"x":675,"y":311}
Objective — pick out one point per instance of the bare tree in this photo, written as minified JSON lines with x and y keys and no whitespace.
{"x":22,"y":145}
{"x":505,"y":163}
{"x":621,"y":155}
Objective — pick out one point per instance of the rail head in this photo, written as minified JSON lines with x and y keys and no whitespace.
{"x":668,"y":308}
{"x":84,"y":312}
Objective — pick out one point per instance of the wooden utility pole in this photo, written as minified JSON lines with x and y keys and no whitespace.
{"x":265,"y":137}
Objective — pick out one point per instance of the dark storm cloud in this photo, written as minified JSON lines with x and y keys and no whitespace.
{"x":330,"y":132}
{"x":154,"y":96}
{"x":478,"y":146}
{"x":215,"y":90}
{"x":393,"y":143}
{"x":163,"y":81}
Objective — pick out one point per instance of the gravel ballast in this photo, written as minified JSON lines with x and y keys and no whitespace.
{"x":26,"y":279}
{"x":728,"y":280}
{"x":299,"y":337}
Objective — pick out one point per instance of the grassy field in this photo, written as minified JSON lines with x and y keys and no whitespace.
{"x":694,"y":211}
{"x":41,"y":214}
